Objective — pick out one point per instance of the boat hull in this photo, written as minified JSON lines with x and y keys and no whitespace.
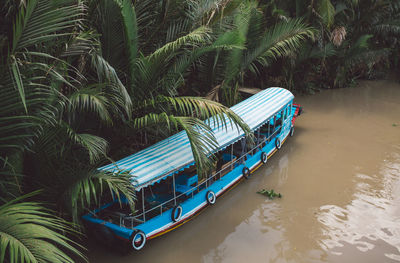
{"x":162,"y":223}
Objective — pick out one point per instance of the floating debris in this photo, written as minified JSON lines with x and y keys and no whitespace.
{"x":270,"y":193}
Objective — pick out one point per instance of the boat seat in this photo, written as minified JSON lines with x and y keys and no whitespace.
{"x":186,"y":182}
{"x":157,"y":199}
{"x":225,"y":169}
{"x":226,"y":157}
{"x":228,"y":160}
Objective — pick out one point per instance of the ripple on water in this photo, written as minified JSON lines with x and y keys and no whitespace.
{"x":373,"y":214}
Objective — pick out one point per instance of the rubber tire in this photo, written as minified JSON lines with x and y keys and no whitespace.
{"x":291,"y":131}
{"x":133,"y":237}
{"x":264,"y":157}
{"x":213,"y":198}
{"x":246,"y":172}
{"x":278,"y":144}
{"x":173,"y":218}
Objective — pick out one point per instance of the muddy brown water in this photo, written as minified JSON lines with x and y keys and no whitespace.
{"x":340,"y":180}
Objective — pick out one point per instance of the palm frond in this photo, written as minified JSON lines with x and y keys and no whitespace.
{"x":107,"y":17}
{"x":19,"y":83}
{"x":130,"y":27}
{"x":175,"y":30}
{"x":18,"y":128}
{"x":187,"y":113}
{"x":43,"y":21}
{"x":30,"y":233}
{"x":284,"y":38}
{"x":62,"y":138}
{"x":205,"y":11}
{"x":196,"y":107}
{"x":175,"y":76}
{"x":10,"y":177}
{"x":114,"y":90}
{"x":83,"y":43}
{"x":387,"y":28}
{"x":366,"y":57}
{"x":201,"y":138}
{"x":234,"y":58}
{"x":358,"y":46}
{"x":91,"y":99}
{"x":17,"y":132}
{"x":88,"y":186}
{"x":308,"y":51}
{"x":95,"y":146}
{"x":197,"y":36}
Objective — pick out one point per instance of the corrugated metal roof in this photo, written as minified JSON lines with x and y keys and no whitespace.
{"x":174,"y":153}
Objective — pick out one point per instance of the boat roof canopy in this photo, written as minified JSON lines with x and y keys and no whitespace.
{"x":174,"y":154}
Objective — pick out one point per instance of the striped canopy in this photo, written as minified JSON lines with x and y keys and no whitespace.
{"x":174,"y":153}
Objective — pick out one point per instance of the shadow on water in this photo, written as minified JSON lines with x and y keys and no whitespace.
{"x":339,"y":176}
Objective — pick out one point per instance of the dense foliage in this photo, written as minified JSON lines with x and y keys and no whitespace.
{"x":87,"y":82}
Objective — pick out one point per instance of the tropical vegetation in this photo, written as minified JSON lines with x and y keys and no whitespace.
{"x":87,"y":82}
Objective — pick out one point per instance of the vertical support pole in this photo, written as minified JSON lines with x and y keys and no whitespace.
{"x":144,"y":211}
{"x":244,"y":150}
{"x":231,"y":156}
{"x":173,"y":184}
{"x":258,"y":137}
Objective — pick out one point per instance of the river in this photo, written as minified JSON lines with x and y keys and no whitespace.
{"x":340,"y":180}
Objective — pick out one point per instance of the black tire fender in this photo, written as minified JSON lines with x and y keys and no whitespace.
{"x":176,"y":217}
{"x":278,"y":144}
{"x":264,"y":157}
{"x":211,"y":197}
{"x":246,"y":172}
{"x":138,"y":239}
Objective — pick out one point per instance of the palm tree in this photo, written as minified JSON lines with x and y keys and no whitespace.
{"x":41,"y":96}
{"x":355,"y":36}
{"x":256,"y":45}
{"x":370,"y":28}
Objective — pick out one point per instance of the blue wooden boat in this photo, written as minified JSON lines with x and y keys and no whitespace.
{"x":168,"y":189}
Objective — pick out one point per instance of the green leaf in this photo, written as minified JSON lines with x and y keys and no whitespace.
{"x":131,"y":35}
{"x":327,"y":11}
{"x":30,"y":233}
{"x":43,"y":21}
{"x":19,"y":84}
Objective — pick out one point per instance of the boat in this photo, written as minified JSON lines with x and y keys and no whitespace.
{"x":169,"y":192}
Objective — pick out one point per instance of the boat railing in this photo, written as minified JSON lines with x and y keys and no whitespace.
{"x":161,"y":208}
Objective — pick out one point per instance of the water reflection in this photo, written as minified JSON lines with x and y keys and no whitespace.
{"x":283,"y":169}
{"x":373,"y":215}
{"x":256,"y":238}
